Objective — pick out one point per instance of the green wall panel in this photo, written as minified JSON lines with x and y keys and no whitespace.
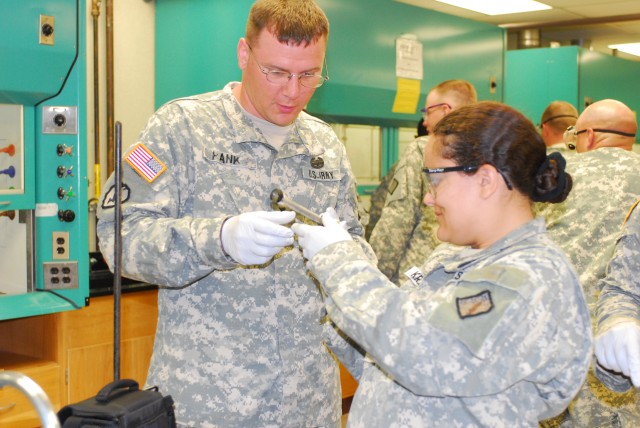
{"x":196,"y":52}
{"x":196,"y":44}
{"x":31,"y":72}
{"x":535,"y":77}
{"x":603,"y":76}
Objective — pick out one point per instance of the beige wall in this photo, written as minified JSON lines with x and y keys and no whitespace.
{"x":134,"y":29}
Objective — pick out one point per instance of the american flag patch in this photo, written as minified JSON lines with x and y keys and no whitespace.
{"x":145,"y":163}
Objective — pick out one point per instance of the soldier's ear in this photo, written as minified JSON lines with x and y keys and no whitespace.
{"x":243,"y":53}
{"x":489,"y":178}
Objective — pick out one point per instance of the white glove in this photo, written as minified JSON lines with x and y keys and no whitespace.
{"x":618,"y":349}
{"x":314,"y":238}
{"x":254,"y":238}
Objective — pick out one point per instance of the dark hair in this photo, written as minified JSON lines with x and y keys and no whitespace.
{"x":493,"y":133}
{"x":421,"y":129}
{"x":291,"y":21}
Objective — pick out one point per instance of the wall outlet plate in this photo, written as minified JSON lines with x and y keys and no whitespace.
{"x":60,"y":275}
{"x":60,"y":245}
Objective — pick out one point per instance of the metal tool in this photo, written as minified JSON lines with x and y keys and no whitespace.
{"x":278,"y":198}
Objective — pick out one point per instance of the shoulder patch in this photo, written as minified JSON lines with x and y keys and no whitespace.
{"x":397,"y":187}
{"x":471,"y":306}
{"x":145,"y":163}
{"x":109,"y":199}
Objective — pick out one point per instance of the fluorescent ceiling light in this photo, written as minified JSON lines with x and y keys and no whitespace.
{"x":498,"y":7}
{"x":630,"y":48}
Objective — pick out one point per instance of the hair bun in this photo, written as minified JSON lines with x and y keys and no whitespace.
{"x":552,"y":183}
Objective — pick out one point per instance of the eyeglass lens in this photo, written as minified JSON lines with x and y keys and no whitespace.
{"x":280,"y":77}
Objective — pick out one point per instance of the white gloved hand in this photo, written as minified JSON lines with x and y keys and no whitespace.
{"x":253,"y":238}
{"x":314,"y":238}
{"x":618,"y":349}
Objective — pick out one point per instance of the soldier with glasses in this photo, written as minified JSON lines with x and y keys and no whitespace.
{"x":242,"y":337}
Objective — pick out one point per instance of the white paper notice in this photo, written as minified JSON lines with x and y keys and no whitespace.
{"x":408,"y":57}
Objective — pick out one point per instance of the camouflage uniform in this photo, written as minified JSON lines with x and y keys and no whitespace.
{"x":405,"y":234}
{"x":620,"y":295}
{"x":562,"y":148}
{"x":493,"y":337}
{"x":236,"y":346}
{"x":378,"y":199}
{"x":586,"y":226}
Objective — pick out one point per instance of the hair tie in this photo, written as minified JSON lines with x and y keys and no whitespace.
{"x":562,"y":178}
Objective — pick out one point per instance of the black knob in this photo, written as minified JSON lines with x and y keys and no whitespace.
{"x":47,"y":30}
{"x":59,"y":119}
{"x":66,"y":215}
{"x":60,"y":171}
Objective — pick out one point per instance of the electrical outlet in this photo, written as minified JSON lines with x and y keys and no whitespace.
{"x":46,"y":29}
{"x":60,"y":245}
{"x":60,"y":275}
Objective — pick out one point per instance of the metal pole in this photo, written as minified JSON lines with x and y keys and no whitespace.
{"x":117,"y":259}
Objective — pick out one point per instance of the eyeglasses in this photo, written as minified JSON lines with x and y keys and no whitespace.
{"x":425,"y":111}
{"x":434,"y":181}
{"x":549,"y":119}
{"x":280,"y":77}
{"x":571,"y":135}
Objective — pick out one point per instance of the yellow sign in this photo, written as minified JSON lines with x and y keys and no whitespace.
{"x":407,"y":96}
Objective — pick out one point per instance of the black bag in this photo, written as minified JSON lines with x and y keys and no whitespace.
{"x":121,"y":404}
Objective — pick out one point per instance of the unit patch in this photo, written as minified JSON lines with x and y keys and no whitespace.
{"x":471,"y":306}
{"x":145,"y":163}
{"x":109,"y":200}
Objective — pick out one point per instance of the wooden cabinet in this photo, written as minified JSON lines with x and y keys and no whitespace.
{"x":70,"y":354}
{"x":88,"y":343}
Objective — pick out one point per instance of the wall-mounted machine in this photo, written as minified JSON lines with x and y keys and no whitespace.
{"x":43,"y":179}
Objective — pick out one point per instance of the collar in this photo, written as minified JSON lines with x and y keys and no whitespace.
{"x":302,"y":138}
{"x":468,"y":256}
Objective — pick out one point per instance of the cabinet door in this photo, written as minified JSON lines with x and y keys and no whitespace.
{"x":88,"y":370}
{"x":91,"y":367}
